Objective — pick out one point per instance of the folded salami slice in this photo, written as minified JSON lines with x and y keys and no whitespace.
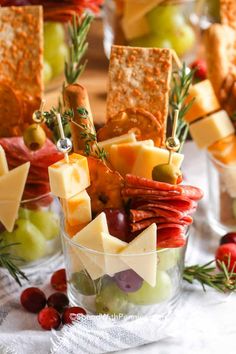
{"x":141,"y":182}
{"x":174,"y":242}
{"x":191,"y":192}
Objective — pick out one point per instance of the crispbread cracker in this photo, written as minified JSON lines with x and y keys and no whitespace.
{"x":228,"y":12}
{"x":220,"y":43}
{"x":140,"y":78}
{"x":21,"y":60}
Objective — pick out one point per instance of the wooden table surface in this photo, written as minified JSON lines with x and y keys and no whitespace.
{"x":95,"y":76}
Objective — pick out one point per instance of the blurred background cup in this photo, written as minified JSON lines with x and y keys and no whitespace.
{"x":95,"y":284}
{"x":222,"y":195}
{"x":36,"y":233}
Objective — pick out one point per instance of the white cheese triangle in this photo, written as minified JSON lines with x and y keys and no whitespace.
{"x":3,"y":162}
{"x":112,"y":246}
{"x":11,"y":190}
{"x":143,"y":264}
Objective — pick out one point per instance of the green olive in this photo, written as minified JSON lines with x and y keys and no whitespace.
{"x":34,"y":137}
{"x":166,"y":173}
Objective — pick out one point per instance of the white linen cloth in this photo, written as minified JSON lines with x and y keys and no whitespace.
{"x":203,"y":323}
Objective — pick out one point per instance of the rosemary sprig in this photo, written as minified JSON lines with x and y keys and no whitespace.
{"x":208,"y":275}
{"x":8,"y":261}
{"x":181,"y":82}
{"x":77,"y":31}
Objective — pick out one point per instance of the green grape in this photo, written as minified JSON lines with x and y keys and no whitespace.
{"x":47,"y":72}
{"x":32,"y":244}
{"x":148,"y":295}
{"x":84,"y":284}
{"x":47,"y":222}
{"x":59,"y":59}
{"x":164,"y":19}
{"x":54,"y":36}
{"x":168,"y":258}
{"x":111,"y":300}
{"x":183,"y":40}
{"x":151,"y":41}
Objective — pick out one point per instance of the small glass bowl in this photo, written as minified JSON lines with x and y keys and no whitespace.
{"x":35,"y":233}
{"x":124,"y":293}
{"x":222,"y":195}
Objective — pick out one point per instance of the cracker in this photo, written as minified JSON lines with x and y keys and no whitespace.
{"x":220,"y":43}
{"x":228,"y":12}
{"x":140,"y":78}
{"x":21,"y":57}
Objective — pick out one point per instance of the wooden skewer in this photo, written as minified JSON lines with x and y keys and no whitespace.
{"x":61,"y":130}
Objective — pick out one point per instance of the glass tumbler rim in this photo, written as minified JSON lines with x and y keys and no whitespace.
{"x":35,"y":199}
{"x":219,"y":163}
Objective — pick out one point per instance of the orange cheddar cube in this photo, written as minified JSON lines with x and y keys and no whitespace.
{"x":225,"y":150}
{"x":205,"y":101}
{"x":68,"y":179}
{"x":77,"y":209}
{"x":72,"y":230}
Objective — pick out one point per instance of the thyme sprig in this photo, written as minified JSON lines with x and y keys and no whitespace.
{"x":208,"y":275}
{"x":7,"y":261}
{"x":181,"y":82}
{"x":77,"y":32}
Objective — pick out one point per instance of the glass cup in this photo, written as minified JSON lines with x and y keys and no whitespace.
{"x":36,"y":232}
{"x":222,"y":195}
{"x":94,"y":284}
{"x":165,"y":25}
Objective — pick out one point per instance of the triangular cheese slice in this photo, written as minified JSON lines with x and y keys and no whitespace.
{"x":3,"y":162}
{"x":11,"y":190}
{"x":134,"y":10}
{"x":90,"y":237}
{"x":144,"y":259}
{"x":112,"y":246}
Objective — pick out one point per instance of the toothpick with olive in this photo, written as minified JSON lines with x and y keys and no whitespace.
{"x":34,"y":136}
{"x":169,"y":172}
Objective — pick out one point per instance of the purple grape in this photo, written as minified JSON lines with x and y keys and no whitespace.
{"x":128,"y":281}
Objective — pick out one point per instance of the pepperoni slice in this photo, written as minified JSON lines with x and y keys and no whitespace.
{"x":141,"y":182}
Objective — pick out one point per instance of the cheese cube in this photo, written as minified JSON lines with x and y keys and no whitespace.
{"x":224,"y":150}
{"x":68,"y":179}
{"x":125,"y":138}
{"x":91,"y":240}
{"x":135,"y":29}
{"x":205,"y":101}
{"x":123,"y":156}
{"x":73,"y":230}
{"x":112,"y":246}
{"x":211,"y":129}
{"x":3,"y":162}
{"x":149,"y":157}
{"x":78,"y":209}
{"x":141,"y":256}
{"x":133,"y":11}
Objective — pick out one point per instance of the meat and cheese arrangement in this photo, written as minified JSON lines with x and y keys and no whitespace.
{"x":126,"y":212}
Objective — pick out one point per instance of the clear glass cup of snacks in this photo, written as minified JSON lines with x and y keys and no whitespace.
{"x":166,"y":24}
{"x":222,"y":195}
{"x":36,"y":232}
{"x":104,"y":283}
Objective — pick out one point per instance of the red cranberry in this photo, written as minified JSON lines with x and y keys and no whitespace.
{"x":58,"y":301}
{"x":49,"y":318}
{"x":228,"y":238}
{"x":71,"y":313}
{"x":227,"y":254}
{"x":58,"y":280}
{"x":33,"y":299}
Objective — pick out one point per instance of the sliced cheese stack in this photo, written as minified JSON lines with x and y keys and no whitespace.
{"x":122,"y":139}
{"x":68,"y":181}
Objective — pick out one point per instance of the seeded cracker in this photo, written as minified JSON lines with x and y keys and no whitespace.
{"x":21,"y":64}
{"x":140,"y":78}
{"x":228,"y":12}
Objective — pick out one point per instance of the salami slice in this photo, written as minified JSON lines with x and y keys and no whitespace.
{"x":138,"y":182}
{"x":143,"y":192}
{"x":172,"y":243}
{"x":193,"y":193}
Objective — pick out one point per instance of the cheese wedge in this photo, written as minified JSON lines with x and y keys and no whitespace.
{"x":123,"y":156}
{"x":77,"y":209}
{"x":90,"y":237}
{"x":112,"y":246}
{"x":224,"y":150}
{"x":205,"y":101}
{"x":134,"y":10}
{"x":211,"y":129}
{"x":12,"y":186}
{"x":140,"y":255}
{"x":149,"y":157}
{"x":3,"y":162}
{"x":135,"y":29}
{"x":68,"y":179}
{"x":125,"y":138}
